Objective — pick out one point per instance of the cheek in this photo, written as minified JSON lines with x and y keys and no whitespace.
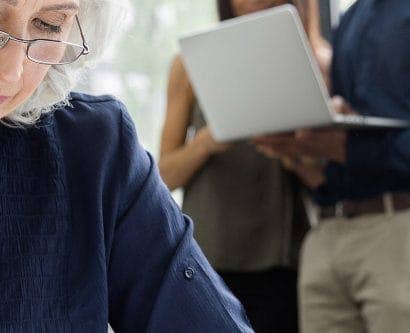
{"x":32,"y":77}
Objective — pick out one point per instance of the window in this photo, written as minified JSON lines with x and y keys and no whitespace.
{"x":137,"y":72}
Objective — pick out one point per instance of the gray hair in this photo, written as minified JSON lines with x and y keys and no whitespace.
{"x":100,"y":20}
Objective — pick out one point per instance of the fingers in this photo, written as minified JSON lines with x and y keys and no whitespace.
{"x":304,"y":134}
{"x":326,"y":143}
{"x":267,"y":151}
{"x":293,"y":156}
{"x":272,"y":139}
{"x":312,"y":174}
{"x":280,"y":150}
{"x":339,"y":105}
{"x":222,"y":147}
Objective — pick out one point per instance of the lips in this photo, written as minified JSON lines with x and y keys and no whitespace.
{"x":3,"y":99}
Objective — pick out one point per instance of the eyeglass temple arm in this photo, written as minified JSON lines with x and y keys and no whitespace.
{"x":86,"y":47}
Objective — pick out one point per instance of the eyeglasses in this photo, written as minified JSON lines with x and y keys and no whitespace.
{"x":48,"y":51}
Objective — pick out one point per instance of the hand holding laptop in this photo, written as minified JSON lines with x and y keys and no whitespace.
{"x":305,"y":151}
{"x":258,"y":74}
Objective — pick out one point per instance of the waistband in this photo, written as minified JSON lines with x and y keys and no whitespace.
{"x":388,"y":204}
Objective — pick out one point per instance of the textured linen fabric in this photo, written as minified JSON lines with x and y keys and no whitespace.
{"x":89,"y":234}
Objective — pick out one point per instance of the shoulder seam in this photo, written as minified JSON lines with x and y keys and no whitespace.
{"x":92,"y":99}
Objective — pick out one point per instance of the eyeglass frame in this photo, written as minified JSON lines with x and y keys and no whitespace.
{"x":29,"y":42}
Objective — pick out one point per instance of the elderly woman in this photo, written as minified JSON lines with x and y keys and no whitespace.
{"x":88,"y":232}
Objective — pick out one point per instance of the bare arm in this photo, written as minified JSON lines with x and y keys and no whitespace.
{"x":179,"y":160}
{"x":309,"y":11}
{"x":310,"y":14}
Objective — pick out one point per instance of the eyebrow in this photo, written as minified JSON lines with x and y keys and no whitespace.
{"x":63,"y":6}
{"x":11,"y":2}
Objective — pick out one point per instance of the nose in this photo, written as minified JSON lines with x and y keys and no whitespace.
{"x":12,"y":58}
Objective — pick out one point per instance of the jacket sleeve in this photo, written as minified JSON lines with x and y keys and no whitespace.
{"x":158,"y":278}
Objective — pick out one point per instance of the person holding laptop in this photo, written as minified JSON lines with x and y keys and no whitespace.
{"x":249,"y":215}
{"x":355,"y":265}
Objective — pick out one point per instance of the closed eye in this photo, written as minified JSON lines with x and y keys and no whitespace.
{"x":47,"y":27}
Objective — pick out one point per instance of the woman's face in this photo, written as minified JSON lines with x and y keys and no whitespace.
{"x":243,"y":7}
{"x":29,"y":19}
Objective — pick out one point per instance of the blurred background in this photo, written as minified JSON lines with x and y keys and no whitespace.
{"x":136,"y":72}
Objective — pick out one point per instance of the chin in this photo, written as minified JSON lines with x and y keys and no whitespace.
{"x":7,"y":109}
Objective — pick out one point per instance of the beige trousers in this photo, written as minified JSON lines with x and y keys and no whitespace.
{"x":355,"y":276}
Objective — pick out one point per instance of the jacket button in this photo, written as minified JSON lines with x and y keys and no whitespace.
{"x":189,"y":273}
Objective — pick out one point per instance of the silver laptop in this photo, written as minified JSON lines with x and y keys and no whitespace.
{"x":256,"y":74}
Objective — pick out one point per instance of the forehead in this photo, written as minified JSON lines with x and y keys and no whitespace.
{"x":35,"y":5}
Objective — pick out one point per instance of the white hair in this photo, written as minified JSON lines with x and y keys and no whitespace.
{"x":100,"y":21}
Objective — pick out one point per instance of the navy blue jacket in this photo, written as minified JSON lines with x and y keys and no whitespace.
{"x":89,"y":234}
{"x":371,"y":70}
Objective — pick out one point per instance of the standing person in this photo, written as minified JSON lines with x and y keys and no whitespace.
{"x":355,"y":265}
{"x":249,"y":214}
{"x":89,"y":234}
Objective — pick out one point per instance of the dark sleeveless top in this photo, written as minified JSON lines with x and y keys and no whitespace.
{"x":248,"y":212}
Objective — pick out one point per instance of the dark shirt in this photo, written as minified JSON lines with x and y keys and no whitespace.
{"x":89,"y":234}
{"x":371,"y":70}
